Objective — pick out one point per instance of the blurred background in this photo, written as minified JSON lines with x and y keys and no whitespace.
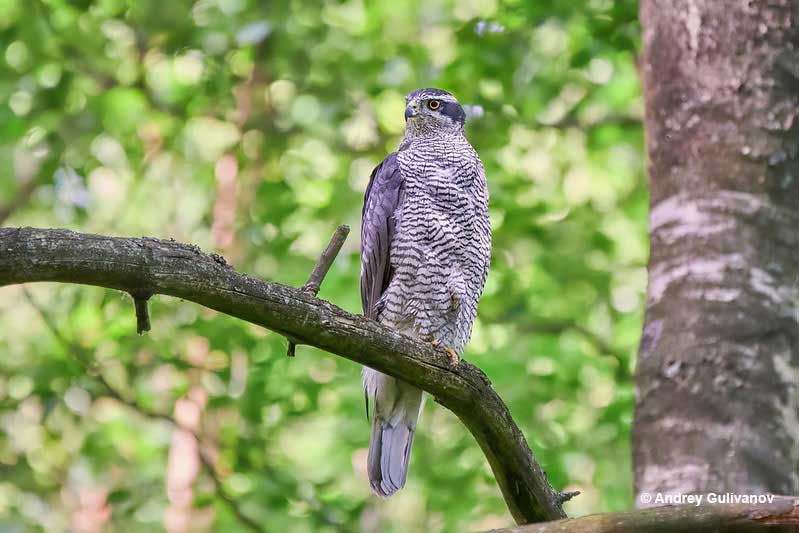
{"x":250,"y":128}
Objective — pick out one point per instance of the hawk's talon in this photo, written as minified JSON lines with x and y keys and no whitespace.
{"x":454,"y":359}
{"x":452,"y":355}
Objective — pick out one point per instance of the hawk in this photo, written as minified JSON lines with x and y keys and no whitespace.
{"x":425,"y":251}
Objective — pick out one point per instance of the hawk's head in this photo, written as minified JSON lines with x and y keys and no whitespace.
{"x":431,"y":111}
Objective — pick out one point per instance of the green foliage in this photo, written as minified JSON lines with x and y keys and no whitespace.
{"x":250,"y":128}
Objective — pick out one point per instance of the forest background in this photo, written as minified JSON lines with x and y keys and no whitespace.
{"x":250,"y":129}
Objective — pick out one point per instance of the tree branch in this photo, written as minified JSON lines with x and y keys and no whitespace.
{"x":142,"y":313}
{"x":321,"y":269}
{"x":183,"y":271}
{"x":781,"y":514}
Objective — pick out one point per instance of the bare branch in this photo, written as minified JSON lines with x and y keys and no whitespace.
{"x":563,"y":497}
{"x":142,"y":314}
{"x":781,"y":514}
{"x":321,"y":269}
{"x":183,"y":271}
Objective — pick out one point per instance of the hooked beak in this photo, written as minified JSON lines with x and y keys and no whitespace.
{"x":411,"y":110}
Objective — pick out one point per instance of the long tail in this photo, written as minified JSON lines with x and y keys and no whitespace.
{"x":396,"y":410}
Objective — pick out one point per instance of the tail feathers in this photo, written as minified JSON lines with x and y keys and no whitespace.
{"x":396,"y":410}
{"x":389,"y":454}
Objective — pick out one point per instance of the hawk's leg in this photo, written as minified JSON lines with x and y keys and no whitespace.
{"x":451,"y":354}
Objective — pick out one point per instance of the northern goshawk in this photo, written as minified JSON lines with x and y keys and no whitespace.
{"x":425,"y":250}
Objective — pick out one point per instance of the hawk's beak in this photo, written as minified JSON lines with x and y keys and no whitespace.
{"x":411,"y":110}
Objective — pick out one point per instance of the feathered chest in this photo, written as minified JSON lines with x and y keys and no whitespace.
{"x":440,"y":177}
{"x":444,"y":194}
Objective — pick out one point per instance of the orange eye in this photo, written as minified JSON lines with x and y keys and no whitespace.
{"x":434,"y":104}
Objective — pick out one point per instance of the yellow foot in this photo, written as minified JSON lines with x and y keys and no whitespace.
{"x":452,"y":355}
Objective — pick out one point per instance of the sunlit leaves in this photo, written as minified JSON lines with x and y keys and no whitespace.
{"x":251,"y":128}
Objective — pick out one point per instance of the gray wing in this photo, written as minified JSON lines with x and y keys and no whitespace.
{"x":383,"y":196}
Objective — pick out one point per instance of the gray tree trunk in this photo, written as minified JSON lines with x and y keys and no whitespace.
{"x":718,"y":375}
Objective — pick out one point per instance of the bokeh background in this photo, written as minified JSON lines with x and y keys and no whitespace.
{"x":250,"y":128}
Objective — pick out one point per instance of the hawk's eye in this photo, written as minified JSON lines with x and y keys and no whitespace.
{"x":434,"y":104}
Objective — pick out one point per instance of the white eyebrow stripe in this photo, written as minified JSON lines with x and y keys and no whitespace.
{"x":429,"y":96}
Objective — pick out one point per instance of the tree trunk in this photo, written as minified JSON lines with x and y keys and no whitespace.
{"x":718,"y":375}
